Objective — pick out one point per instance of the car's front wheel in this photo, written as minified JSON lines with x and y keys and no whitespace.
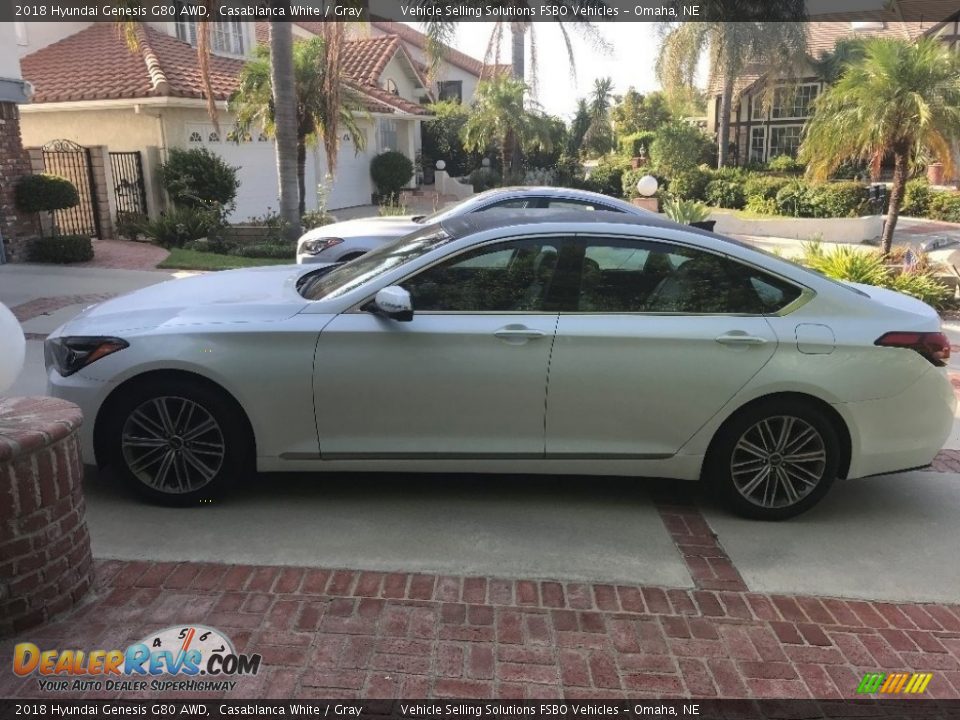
{"x":178,"y":441}
{"x":775,"y":460}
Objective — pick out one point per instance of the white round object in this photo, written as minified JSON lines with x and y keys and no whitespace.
{"x":485,"y":162}
{"x":647,"y":185}
{"x":14,"y":345}
{"x":441,"y":165}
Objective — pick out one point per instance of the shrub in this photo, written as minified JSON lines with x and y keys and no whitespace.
{"x":761,"y":205}
{"x":944,"y":206}
{"x":441,"y":138}
{"x":569,"y":171}
{"x":274,"y":227}
{"x":637,"y":144}
{"x":180,"y":225}
{"x":391,"y":171}
{"x":266,"y":250}
{"x":484,"y":178}
{"x":923,"y":286}
{"x":765,"y":187}
{"x":199,"y":178}
{"x":391,"y":208}
{"x":786,"y":164}
{"x":916,"y":198}
{"x":685,"y":211}
{"x":678,"y":148}
{"x":838,"y":199}
{"x":45,"y":193}
{"x":690,"y":185}
{"x":61,"y":249}
{"x":607,"y":176}
{"x":851,"y":170}
{"x":848,"y":262}
{"x":725,"y":193}
{"x":793,"y":199}
{"x":540,"y":176}
{"x":316,"y":218}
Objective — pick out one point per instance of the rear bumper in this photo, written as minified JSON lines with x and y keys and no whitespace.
{"x":901,"y":432}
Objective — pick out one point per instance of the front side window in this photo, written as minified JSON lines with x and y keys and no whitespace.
{"x":627,"y":276}
{"x":566,"y":204}
{"x":514,"y":276}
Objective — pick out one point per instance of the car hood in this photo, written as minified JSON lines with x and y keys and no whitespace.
{"x":396,"y":226}
{"x":264,"y":294}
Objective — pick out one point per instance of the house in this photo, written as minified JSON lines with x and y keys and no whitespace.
{"x":122,"y":110}
{"x":763,"y":130}
{"x":14,"y":230}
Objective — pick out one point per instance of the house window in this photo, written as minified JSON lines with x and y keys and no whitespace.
{"x":226,"y":36}
{"x":451,"y":90}
{"x":195,"y":137}
{"x":213,"y":137}
{"x":785,"y":140}
{"x":794,"y":102}
{"x":388,"y":135}
{"x":758,"y":143}
{"x":391,"y":86}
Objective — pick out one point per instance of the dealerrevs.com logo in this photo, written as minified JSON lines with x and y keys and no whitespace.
{"x":183,"y":652}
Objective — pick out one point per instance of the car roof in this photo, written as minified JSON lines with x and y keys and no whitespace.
{"x":581,"y":220}
{"x":555,"y":191}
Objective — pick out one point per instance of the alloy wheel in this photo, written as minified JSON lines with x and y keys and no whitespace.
{"x":778,"y":461}
{"x":173,"y":444}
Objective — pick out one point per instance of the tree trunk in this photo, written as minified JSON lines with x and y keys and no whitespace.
{"x":723,"y":122}
{"x":518,"y":35}
{"x":302,"y":174}
{"x":900,"y":159}
{"x":285,"y":119}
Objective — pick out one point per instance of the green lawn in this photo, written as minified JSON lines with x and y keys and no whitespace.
{"x":180,"y":259}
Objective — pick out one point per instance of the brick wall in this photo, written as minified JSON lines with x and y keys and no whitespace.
{"x":16,"y":230}
{"x":45,"y":561}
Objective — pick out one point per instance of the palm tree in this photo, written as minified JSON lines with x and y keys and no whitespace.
{"x":897,"y":98}
{"x":731,"y":46}
{"x":283,"y":91}
{"x":599,"y":136}
{"x":500,"y":118}
{"x":252,"y":103}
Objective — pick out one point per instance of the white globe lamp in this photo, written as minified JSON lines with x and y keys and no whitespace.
{"x":647,"y":186}
{"x":441,"y":165}
{"x":14,"y":346}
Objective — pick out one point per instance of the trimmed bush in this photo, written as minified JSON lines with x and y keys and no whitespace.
{"x":764,"y":187}
{"x":944,"y":206}
{"x":180,"y":225}
{"x":916,"y":198}
{"x":786,"y":164}
{"x":484,"y":178}
{"x":61,"y":249}
{"x":391,"y":171}
{"x":726,"y":194}
{"x":607,"y":176}
{"x":839,"y":199}
{"x":690,"y":185}
{"x":266,"y":250}
{"x":793,"y":199}
{"x":45,"y":193}
{"x":761,"y":205}
{"x":198,"y":178}
{"x":638,"y":144}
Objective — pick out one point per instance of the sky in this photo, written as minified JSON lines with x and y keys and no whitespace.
{"x":631,"y":60}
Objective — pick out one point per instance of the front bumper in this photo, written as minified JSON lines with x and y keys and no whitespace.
{"x":89,"y":395}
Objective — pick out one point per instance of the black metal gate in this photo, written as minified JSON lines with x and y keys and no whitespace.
{"x":128,"y":188}
{"x":71,"y":161}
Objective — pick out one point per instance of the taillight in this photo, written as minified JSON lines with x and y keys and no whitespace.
{"x":934,"y":346}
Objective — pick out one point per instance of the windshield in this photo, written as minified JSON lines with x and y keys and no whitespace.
{"x":343,"y":278}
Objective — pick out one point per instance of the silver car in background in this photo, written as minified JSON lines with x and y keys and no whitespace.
{"x":350,"y":239}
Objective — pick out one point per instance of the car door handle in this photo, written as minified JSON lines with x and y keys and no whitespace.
{"x":739,"y":338}
{"x":518,"y":333}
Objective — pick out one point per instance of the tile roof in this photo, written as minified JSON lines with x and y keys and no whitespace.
{"x":821,"y":38}
{"x":96,"y":64}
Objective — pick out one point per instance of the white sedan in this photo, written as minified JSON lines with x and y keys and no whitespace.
{"x":344,"y":241}
{"x":571,"y":343}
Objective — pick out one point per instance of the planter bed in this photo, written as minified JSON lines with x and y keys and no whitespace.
{"x":832,"y":230}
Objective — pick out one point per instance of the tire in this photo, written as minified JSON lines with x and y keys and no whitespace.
{"x":748,"y":453}
{"x":177,"y":441}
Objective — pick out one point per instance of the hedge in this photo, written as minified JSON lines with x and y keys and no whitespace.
{"x":61,"y":249}
{"x":944,"y":206}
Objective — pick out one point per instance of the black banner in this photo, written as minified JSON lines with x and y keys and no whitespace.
{"x":419,"y":11}
{"x":459,"y":709}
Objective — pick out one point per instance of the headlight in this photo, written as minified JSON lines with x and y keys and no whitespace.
{"x":315,"y":247}
{"x":69,"y":354}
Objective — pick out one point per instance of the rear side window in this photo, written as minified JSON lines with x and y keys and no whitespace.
{"x":619,"y":275}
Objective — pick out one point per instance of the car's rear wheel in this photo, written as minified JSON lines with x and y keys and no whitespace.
{"x":775,"y":460}
{"x":177,"y":441}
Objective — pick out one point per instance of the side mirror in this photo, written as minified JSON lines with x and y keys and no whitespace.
{"x":394,"y":302}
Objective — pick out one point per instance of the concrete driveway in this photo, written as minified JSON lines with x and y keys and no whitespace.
{"x":887,"y":538}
